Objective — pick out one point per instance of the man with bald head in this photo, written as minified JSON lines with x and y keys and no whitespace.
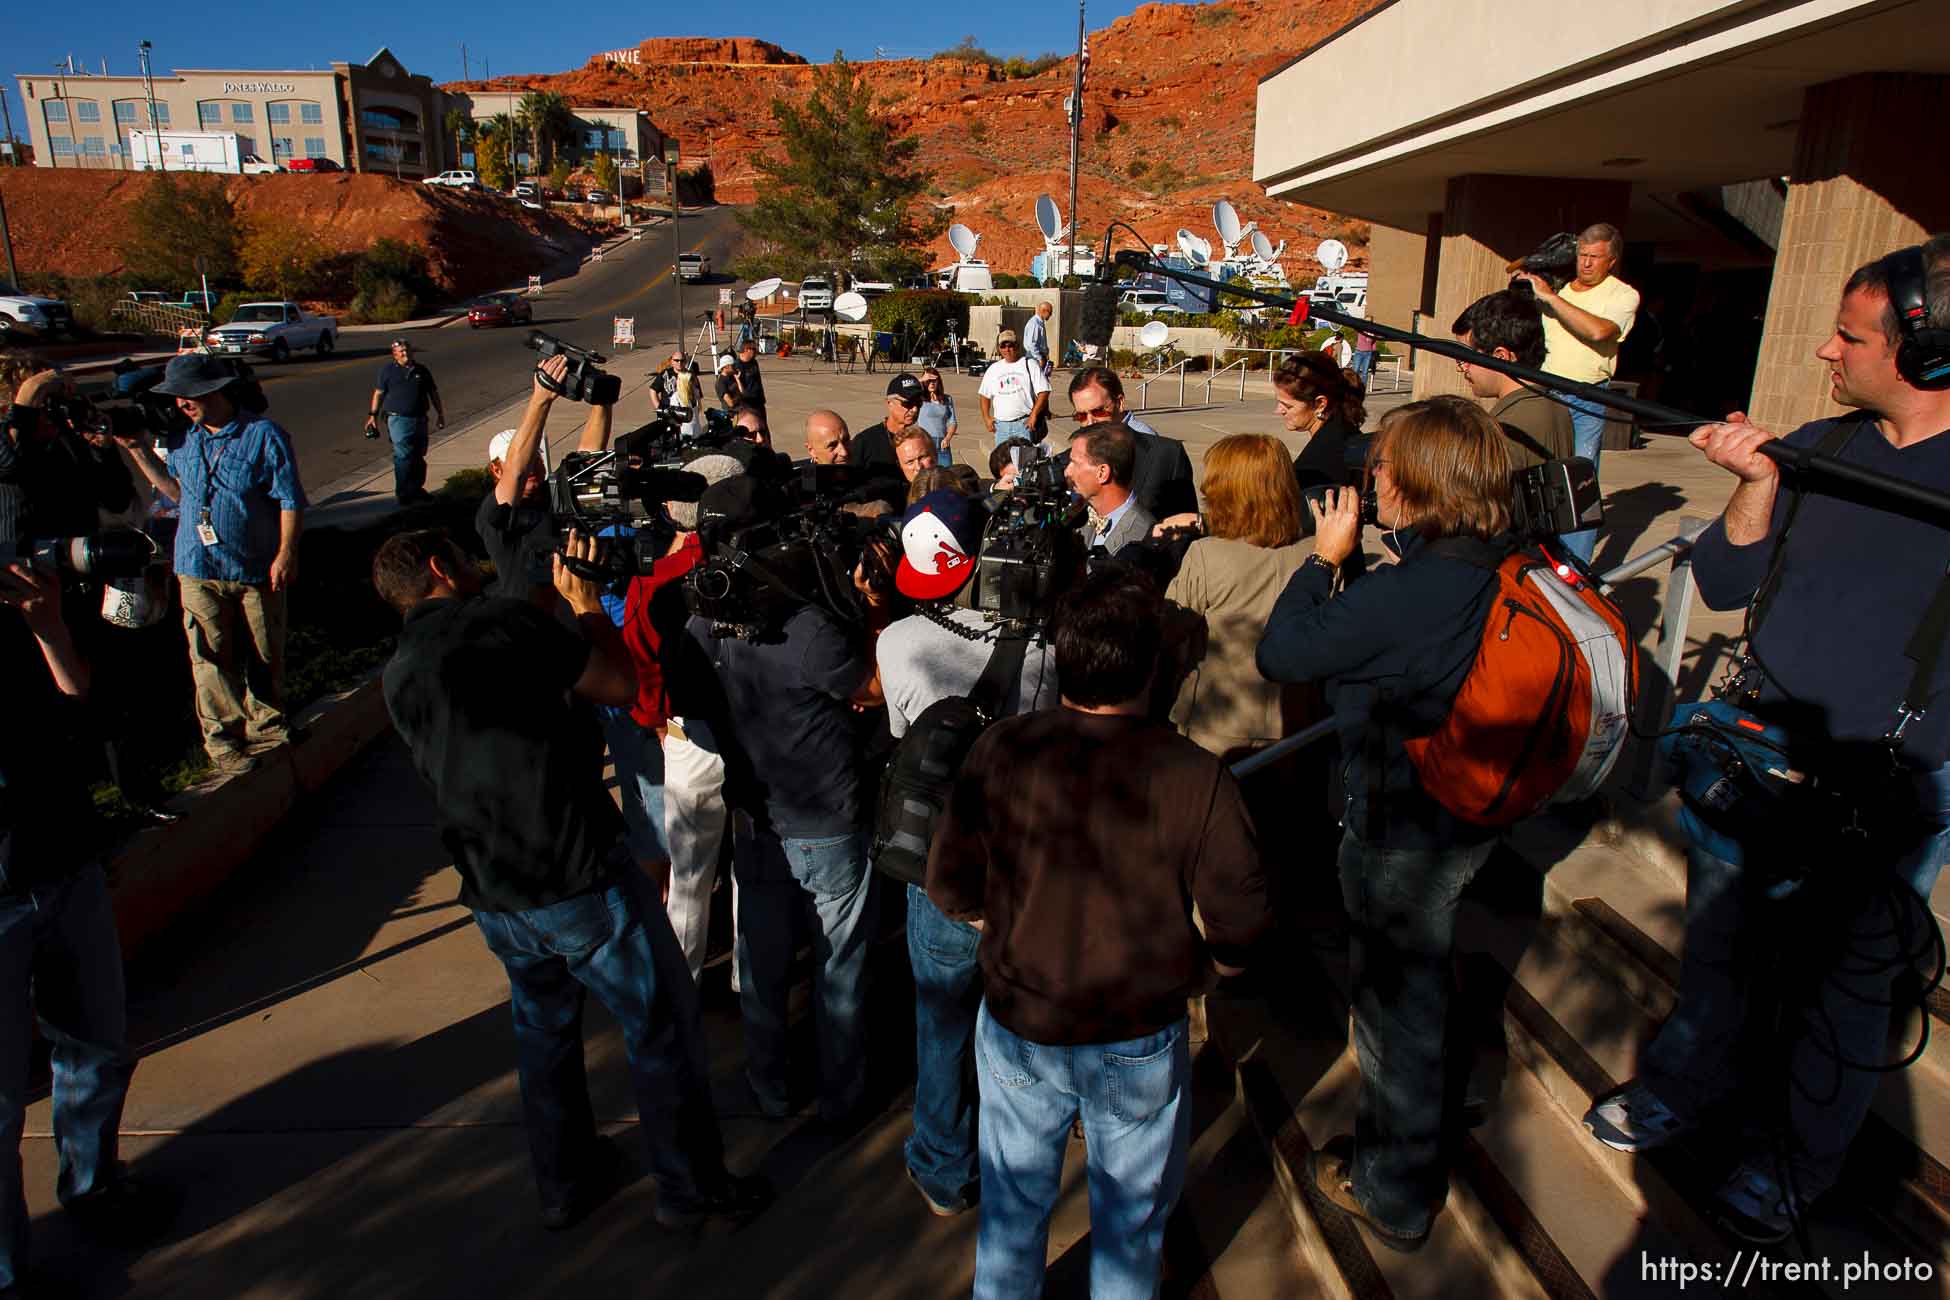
{"x":827,"y":441}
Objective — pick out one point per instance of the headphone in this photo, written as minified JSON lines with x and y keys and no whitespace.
{"x":1923,"y":355}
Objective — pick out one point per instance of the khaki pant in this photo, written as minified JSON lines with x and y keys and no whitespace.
{"x":236,"y":636}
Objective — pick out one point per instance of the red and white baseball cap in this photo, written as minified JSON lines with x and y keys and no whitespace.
{"x":939,"y":539}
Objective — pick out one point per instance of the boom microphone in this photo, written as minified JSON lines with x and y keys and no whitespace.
{"x":1099,"y":314}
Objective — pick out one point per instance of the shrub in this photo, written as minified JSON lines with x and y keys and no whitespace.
{"x":1171,"y":120}
{"x":978,"y":130}
{"x":922,"y":315}
{"x":387,"y":303}
{"x":1138,"y":167}
{"x":697,"y":185}
{"x":1166,"y":176}
{"x":179,"y":217}
{"x":287,"y":257}
{"x":1215,"y":15}
{"x":1003,"y":280}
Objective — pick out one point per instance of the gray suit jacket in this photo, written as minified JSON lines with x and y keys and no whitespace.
{"x":1135,"y":525}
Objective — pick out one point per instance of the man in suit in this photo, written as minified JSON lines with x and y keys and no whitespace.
{"x":1102,"y":460}
{"x":1162,"y":480}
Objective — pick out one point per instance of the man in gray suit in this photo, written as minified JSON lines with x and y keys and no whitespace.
{"x":1103,"y":458}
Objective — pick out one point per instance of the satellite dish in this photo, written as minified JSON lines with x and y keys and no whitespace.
{"x":963,"y":239}
{"x":1226,"y":218}
{"x":1196,"y":251}
{"x":1332,"y":255}
{"x":1154,"y":334}
{"x":1047,"y":217}
{"x":850,"y":306}
{"x":1262,"y":246}
{"x":763,"y":289}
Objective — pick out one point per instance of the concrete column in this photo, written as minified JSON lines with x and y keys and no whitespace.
{"x":1860,"y":188}
{"x":1394,"y":275}
{"x":1488,"y":221}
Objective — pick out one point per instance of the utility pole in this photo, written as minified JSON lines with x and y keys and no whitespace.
{"x":463,"y":60}
{"x":13,"y":149}
{"x":1076,"y":132}
{"x":7,"y":238}
{"x":676,"y":245}
{"x":149,"y":85}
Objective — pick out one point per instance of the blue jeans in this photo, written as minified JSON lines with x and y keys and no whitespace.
{"x":61,"y":962}
{"x":1137,"y":1119}
{"x":1363,"y":364}
{"x":1007,"y":429}
{"x":409,"y":434}
{"x":608,"y":943}
{"x":1401,"y":907}
{"x":1715,"y":1045}
{"x":823,"y":884}
{"x":947,"y":993}
{"x":639,"y":759}
{"x":1587,"y":440}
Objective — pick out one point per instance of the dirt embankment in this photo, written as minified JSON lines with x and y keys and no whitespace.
{"x":1168,"y":122}
{"x":74,"y":222}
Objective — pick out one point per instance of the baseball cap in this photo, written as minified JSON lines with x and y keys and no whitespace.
{"x":498,"y":445}
{"x":1006,"y":336}
{"x":939,"y":538}
{"x":907,"y":388}
{"x":725,"y":360}
{"x":714,"y":468}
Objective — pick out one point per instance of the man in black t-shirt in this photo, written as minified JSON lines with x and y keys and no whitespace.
{"x":874,"y":446}
{"x":402,"y":393}
{"x":481,"y":689}
{"x":727,"y":386}
{"x":751,"y":387}
{"x":513,"y":518}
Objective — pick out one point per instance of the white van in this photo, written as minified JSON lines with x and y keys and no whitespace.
{"x":815,"y":294}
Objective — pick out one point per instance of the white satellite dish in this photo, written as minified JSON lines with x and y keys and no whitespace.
{"x":1154,"y":334}
{"x":963,"y":240}
{"x":1262,"y":246}
{"x":1048,"y":219}
{"x":1332,"y":255}
{"x":1226,"y":218}
{"x":763,"y":289}
{"x":1196,"y":251}
{"x":850,"y":306}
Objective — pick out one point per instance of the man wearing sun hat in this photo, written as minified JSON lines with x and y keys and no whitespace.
{"x":922,"y":661}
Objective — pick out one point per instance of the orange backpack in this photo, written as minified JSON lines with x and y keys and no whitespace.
{"x":1547,"y":704}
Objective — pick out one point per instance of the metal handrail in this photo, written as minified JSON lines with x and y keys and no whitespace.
{"x":1144,"y":386}
{"x":1652,"y":700}
{"x":1211,"y":376}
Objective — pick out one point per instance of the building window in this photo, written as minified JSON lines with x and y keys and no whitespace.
{"x":161,"y":114}
{"x":209,"y":115}
{"x":278,"y":114}
{"x":314,"y":146}
{"x":311,"y":114}
{"x":240,"y":112}
{"x":87,"y":110}
{"x":125,"y":112}
{"x":94,"y":146}
{"x":389,"y":119}
{"x":57,"y":110}
{"x":63,"y":147}
{"x":247,"y":145}
{"x":280,"y":146}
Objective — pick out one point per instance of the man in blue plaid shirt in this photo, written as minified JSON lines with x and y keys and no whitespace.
{"x":235,"y":479}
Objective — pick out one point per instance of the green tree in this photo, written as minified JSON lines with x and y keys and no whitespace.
{"x":847,"y":191}
{"x":491,"y":161}
{"x":558,"y":175}
{"x":605,"y":172}
{"x":179,"y":217}
{"x":545,"y":118}
{"x":460,"y":131}
{"x":288,"y":258}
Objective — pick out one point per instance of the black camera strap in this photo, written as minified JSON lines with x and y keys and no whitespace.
{"x":1004,"y":667}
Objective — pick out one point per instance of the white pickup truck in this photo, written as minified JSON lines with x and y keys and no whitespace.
{"x":273,"y":329}
{"x":33,"y":314}
{"x":693,"y":266}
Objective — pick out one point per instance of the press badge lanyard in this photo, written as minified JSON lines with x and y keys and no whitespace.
{"x":206,"y":532}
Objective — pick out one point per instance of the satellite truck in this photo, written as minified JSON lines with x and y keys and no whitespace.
{"x":193,"y":151}
{"x":1059,"y":257}
{"x":970,"y":274}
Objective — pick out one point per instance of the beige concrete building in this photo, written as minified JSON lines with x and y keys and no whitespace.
{"x":626,"y":134}
{"x":371,"y":116}
{"x":1753,"y":151}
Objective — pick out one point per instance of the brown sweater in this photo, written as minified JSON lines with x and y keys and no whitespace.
{"x":1083,"y":842}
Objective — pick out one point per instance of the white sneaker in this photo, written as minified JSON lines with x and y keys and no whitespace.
{"x":1632,"y":1118}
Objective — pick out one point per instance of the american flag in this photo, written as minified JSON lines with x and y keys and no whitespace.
{"x":1084,"y":56}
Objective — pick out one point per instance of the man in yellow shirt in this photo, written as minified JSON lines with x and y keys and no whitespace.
{"x":1584,"y":324}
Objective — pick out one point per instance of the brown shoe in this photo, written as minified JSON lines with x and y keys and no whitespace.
{"x":1328,"y":1168}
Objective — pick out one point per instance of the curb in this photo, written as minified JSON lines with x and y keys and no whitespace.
{"x":162,"y":872}
{"x":109,"y":363}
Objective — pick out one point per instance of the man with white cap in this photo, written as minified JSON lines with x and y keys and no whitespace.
{"x":1014,"y":393}
{"x":513,"y":518}
{"x":940,"y":651}
{"x":729,"y":394}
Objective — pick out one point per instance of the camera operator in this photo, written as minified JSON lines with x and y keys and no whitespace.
{"x":1510,"y":327}
{"x":1102,"y":459}
{"x":1842,"y":627}
{"x":481,"y":689}
{"x":1584,"y":324}
{"x":60,"y":960}
{"x":513,"y":520}
{"x":939,"y":651}
{"x":1393,"y":649}
{"x":54,"y":480}
{"x":1162,"y":478}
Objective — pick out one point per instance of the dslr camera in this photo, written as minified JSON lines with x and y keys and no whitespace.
{"x":585,"y":380}
{"x":1031,"y":551}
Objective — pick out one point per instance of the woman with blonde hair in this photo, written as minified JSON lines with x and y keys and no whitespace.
{"x":1392,"y":649}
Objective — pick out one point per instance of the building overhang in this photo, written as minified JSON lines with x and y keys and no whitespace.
{"x":1668,"y":95}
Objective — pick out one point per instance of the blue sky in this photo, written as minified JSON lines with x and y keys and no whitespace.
{"x":509,"y":37}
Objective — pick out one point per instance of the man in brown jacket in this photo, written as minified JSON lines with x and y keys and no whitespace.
{"x":1079,"y":839}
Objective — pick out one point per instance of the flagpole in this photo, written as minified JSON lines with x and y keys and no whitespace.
{"x":1076,"y":131}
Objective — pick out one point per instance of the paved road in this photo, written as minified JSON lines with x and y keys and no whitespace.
{"x":323,"y":403}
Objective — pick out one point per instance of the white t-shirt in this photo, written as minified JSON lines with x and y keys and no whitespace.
{"x":1568,"y":355}
{"x":922,"y":662}
{"x":1012,"y":387}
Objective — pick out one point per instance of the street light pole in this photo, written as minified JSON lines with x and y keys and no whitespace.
{"x":149,"y":86}
{"x":676,"y":245}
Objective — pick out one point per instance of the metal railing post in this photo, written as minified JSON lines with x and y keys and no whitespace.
{"x":1656,"y":695}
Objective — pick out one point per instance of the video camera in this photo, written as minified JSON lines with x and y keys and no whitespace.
{"x":112,"y":553}
{"x":1031,"y":551}
{"x":585,"y":380}
{"x":1556,"y":260}
{"x":620,"y":493}
{"x":1546,"y":500}
{"x":772,"y":547}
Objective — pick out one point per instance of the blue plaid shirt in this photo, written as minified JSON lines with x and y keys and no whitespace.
{"x":244,"y":475}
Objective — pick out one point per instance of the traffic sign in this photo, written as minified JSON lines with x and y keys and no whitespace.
{"x":623,"y":331}
{"x":724,"y":297}
{"x":534,"y":284}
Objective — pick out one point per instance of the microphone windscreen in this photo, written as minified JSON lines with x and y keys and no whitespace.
{"x":673,"y":484}
{"x":1099,"y":315}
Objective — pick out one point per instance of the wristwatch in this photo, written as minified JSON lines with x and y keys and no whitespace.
{"x":1323,"y":562}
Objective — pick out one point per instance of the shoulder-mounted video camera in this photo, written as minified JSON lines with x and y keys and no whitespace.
{"x":585,"y":380}
{"x":1031,"y":551}
{"x":1556,"y":260}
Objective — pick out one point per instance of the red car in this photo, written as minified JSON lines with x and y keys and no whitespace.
{"x":311,"y":165}
{"x":499,"y":309}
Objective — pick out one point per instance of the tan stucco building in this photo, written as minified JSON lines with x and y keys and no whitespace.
{"x":371,"y":116}
{"x":1753,"y":151}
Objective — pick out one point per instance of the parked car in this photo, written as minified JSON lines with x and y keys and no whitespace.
{"x":815,"y":294}
{"x":527,"y":190}
{"x":273,"y":329}
{"x":255,"y":166}
{"x":145,"y":295}
{"x":460,"y":180}
{"x":693,"y":266}
{"x":600,"y":196}
{"x":1152,"y":302}
{"x":312,"y":165}
{"x":504,"y":308}
{"x":33,"y":313}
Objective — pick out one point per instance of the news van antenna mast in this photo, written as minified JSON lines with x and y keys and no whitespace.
{"x":1076,"y":134}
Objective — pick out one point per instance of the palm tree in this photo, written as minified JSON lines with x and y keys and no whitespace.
{"x":460,"y":130}
{"x":545,"y":116}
